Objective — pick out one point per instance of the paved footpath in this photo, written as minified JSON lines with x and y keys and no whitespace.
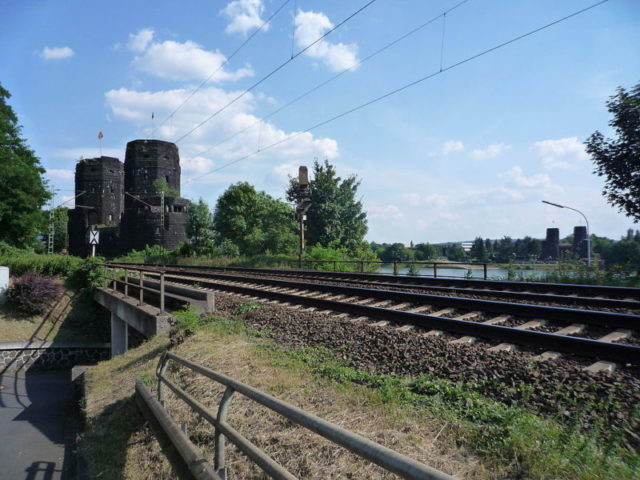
{"x":34,"y":408}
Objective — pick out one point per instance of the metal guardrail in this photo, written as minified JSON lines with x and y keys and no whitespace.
{"x":364,"y":266}
{"x":386,"y":458}
{"x":113,"y":281}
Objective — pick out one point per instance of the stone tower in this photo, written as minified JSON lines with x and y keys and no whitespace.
{"x":99,"y":184}
{"x":551,"y":245}
{"x":144,"y":221}
{"x":580,"y":243}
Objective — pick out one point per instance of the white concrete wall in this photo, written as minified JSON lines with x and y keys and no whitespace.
{"x":4,"y":283}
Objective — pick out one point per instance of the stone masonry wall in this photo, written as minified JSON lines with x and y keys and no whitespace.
{"x":15,"y":356}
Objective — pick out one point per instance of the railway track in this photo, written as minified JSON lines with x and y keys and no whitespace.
{"x":548,"y":330}
{"x":580,"y":296}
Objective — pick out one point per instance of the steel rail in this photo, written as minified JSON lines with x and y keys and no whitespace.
{"x":526,"y":296}
{"x":563,"y":314}
{"x":589,"y":291}
{"x":558,"y":288}
{"x":618,"y":352}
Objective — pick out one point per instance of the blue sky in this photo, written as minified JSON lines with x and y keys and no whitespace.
{"x":470,"y":152}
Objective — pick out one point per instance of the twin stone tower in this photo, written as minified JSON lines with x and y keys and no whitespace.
{"x":124,"y":202}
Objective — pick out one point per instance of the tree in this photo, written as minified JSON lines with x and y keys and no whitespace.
{"x":23,"y":191}
{"x":424,"y":251}
{"x":479,"y":250}
{"x":618,"y":161}
{"x":254,"y":221}
{"x":200,"y":227}
{"x":335,"y":217}
{"x":396,"y":252}
{"x":160,"y":185}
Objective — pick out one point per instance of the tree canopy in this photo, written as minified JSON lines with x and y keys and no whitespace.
{"x":618,"y":160}
{"x":254,"y":221}
{"x":200,"y":227}
{"x":335,"y":217}
{"x":23,"y":191}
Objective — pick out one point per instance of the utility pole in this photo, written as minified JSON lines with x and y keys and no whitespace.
{"x":52,"y":226}
{"x":303,"y":204}
{"x":162,"y":224}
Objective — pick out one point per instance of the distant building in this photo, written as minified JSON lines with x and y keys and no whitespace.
{"x":551,"y":245}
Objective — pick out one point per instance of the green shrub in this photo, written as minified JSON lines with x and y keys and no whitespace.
{"x":33,"y":293}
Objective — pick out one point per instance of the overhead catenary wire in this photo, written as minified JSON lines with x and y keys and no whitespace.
{"x":222,"y":65}
{"x":402,"y":88}
{"x":334,"y":77}
{"x":275,"y":70}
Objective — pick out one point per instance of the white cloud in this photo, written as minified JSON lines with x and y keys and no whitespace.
{"x":388,"y":212}
{"x":515,"y":174}
{"x":309,"y":26}
{"x":491,"y":151}
{"x":431,"y":199}
{"x":560,"y":153}
{"x":185,"y":61}
{"x":56,"y":53}
{"x":60,"y":174}
{"x":197,"y":164}
{"x":206,"y":146}
{"x":244,"y":15}
{"x":138,"y":42}
{"x":452,"y":146}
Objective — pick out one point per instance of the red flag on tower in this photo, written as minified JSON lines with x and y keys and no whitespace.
{"x":100,"y":135}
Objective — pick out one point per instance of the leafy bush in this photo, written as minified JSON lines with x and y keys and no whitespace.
{"x":22,"y":261}
{"x":88,"y":273}
{"x":33,"y":293}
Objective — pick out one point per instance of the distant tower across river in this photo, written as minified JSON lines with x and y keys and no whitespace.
{"x":156,"y":216}
{"x":551,"y":245}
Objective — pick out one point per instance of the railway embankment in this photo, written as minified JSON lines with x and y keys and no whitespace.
{"x":461,"y":409}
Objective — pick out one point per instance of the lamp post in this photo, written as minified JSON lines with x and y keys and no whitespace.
{"x":586,"y":221}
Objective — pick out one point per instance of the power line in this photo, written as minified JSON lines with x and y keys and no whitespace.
{"x":222,"y":65}
{"x":400,"y":89}
{"x":331,"y":79}
{"x":274,"y":71}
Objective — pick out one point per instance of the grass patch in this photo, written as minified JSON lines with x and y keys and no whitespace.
{"x":71,"y":317}
{"x":442,"y":424}
{"x":534,"y":447}
{"x":117,"y":443}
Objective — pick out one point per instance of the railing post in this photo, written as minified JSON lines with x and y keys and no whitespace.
{"x":113,"y":279}
{"x":162,"y":291}
{"x":162,"y":367}
{"x":485,"y":271}
{"x":395,"y":268}
{"x":335,"y":266}
{"x":435,"y":270}
{"x":126,"y":283}
{"x":140,"y":284}
{"x":361,"y":266}
{"x":220,"y":440}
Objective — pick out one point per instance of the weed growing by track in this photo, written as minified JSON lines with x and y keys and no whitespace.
{"x":534,"y":446}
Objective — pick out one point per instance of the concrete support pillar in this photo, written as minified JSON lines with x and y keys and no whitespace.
{"x":119,"y":335}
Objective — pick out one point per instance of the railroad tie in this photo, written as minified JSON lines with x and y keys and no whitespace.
{"x":572,"y":329}
{"x":422,"y":308}
{"x":510,"y":347}
{"x":604,"y":366}
{"x":439,"y":313}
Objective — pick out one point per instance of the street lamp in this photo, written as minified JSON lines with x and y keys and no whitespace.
{"x":586,"y":221}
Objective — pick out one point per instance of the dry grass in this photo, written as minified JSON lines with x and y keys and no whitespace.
{"x":59,"y":323}
{"x":118,"y":443}
{"x":304,"y":453}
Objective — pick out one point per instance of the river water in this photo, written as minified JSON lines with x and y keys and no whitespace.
{"x":493,"y":273}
